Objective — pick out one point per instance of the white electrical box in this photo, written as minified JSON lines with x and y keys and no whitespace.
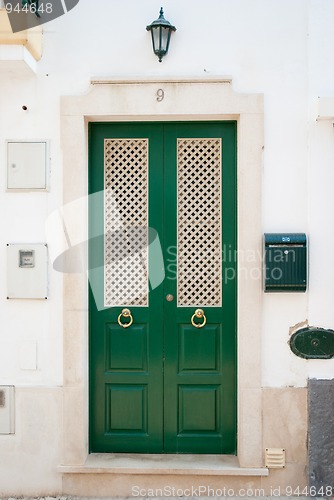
{"x":27,"y":276}
{"x":7,"y":410}
{"x":27,"y":165}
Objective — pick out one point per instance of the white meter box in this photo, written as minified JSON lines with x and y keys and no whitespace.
{"x":27,"y":265}
{"x":27,"y":165}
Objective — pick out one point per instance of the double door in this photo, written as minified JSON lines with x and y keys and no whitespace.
{"x":162,"y":260}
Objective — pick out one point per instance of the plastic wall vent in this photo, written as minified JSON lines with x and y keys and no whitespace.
{"x":275,"y":458}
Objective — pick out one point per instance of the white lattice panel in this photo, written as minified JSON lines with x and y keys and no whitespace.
{"x":199,"y":222}
{"x":126,"y":222}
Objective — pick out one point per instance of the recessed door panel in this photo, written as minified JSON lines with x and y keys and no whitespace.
{"x":126,"y":407}
{"x":199,"y":409}
{"x":199,"y":350}
{"x":126,"y":350}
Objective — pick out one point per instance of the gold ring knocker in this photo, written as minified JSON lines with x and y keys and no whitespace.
{"x":127,"y":314}
{"x":199,"y":313}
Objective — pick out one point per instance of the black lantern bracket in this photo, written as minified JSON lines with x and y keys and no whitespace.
{"x":161,"y":30}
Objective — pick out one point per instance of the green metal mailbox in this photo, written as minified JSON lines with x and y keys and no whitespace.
{"x":285,"y":262}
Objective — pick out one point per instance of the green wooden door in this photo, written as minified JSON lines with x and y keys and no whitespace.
{"x":162,"y":218}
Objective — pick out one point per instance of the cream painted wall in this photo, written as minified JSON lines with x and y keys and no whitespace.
{"x":280,"y":48}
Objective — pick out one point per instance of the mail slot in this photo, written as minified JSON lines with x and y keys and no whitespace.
{"x":285,"y":262}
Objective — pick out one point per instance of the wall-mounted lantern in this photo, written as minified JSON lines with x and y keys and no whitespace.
{"x":161,"y":30}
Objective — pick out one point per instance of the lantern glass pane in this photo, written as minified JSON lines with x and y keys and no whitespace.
{"x":156,"y":38}
{"x":164,"y":39}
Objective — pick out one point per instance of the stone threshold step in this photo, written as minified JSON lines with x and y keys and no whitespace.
{"x":123,"y":463}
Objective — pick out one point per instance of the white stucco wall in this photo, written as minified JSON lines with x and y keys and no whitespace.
{"x":281,"y":49}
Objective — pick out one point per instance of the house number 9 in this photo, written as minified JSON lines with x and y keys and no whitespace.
{"x":160,"y":95}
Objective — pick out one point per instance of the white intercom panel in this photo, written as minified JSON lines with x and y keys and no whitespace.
{"x":27,"y":165}
{"x":27,"y":271}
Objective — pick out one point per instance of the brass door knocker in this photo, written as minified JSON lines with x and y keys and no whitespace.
{"x":126,"y":313}
{"x":199,"y":313}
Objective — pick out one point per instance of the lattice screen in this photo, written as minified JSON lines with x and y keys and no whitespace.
{"x":199,"y":222}
{"x":126,"y":222}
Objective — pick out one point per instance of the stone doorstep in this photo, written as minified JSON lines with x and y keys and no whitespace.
{"x":208,"y":465}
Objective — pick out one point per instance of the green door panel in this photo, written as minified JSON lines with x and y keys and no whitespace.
{"x":163,"y":385}
{"x":200,"y":364}
{"x":125,"y":364}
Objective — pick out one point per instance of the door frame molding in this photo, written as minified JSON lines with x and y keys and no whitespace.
{"x":184,"y":100}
